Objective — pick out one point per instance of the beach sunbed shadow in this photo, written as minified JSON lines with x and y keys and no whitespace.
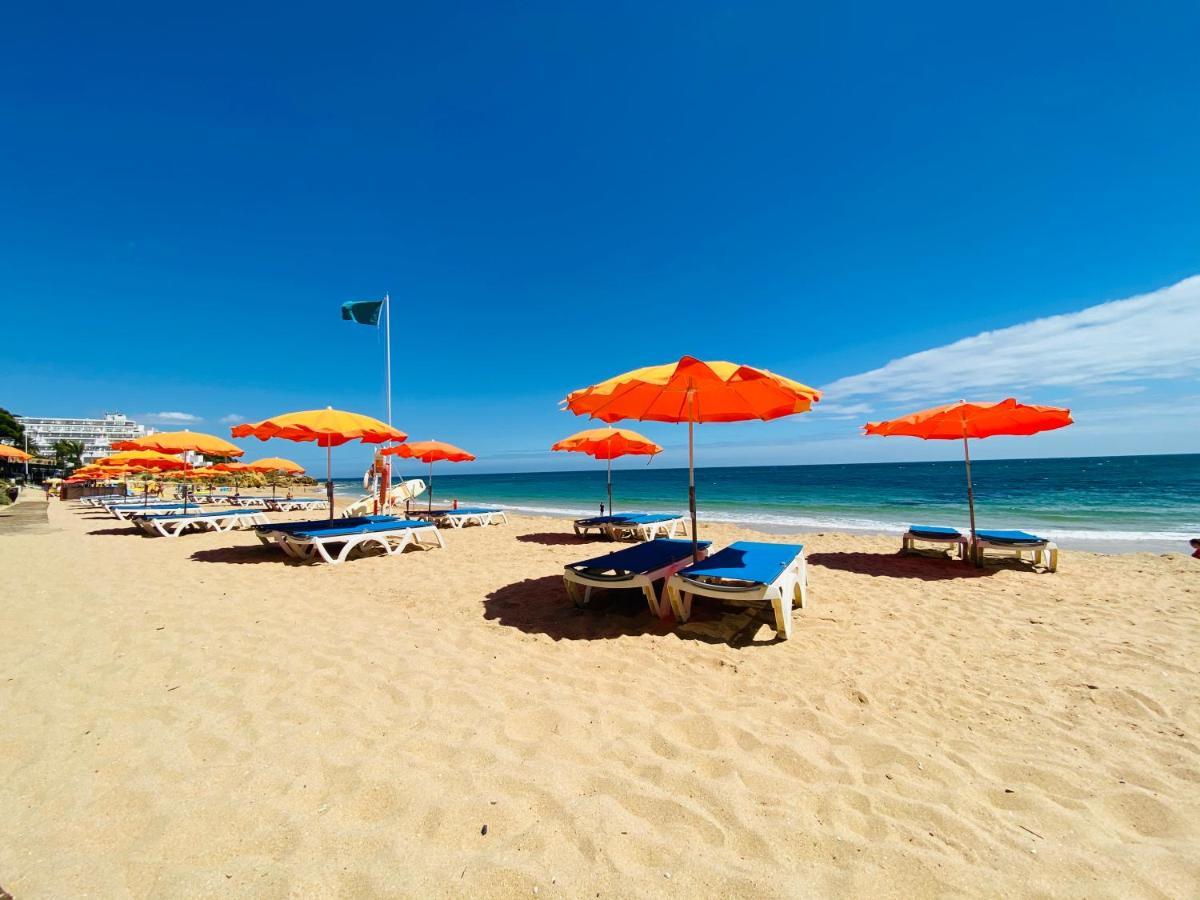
{"x":558,"y":538}
{"x":541,"y":606}
{"x":897,"y":565}
{"x":124,"y":531}
{"x":245,"y":554}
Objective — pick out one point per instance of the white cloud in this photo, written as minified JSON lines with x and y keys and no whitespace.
{"x":162,"y":418}
{"x":841,"y":410}
{"x":1149,"y":336}
{"x":232,"y":418}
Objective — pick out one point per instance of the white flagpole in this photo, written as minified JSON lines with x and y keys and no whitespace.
{"x":387,"y":338}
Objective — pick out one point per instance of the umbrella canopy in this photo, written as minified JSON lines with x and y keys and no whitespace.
{"x":327,"y":427}
{"x":276,"y":464}
{"x":9,"y":452}
{"x":430,"y":452}
{"x":182,"y":442}
{"x":694,"y":391}
{"x":962,"y":421}
{"x":608,"y":444}
{"x":147,"y":459}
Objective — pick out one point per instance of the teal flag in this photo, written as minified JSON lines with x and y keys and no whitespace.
{"x":364,"y":312}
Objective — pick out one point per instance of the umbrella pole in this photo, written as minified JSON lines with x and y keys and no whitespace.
{"x":329,"y":477}
{"x":970,"y":497}
{"x":692,"y":480}
{"x":431,"y":485}
{"x":610,"y":509}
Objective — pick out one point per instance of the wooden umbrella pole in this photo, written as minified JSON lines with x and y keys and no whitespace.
{"x":431,"y":485}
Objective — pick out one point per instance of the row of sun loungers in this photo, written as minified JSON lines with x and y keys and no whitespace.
{"x":746,"y":570}
{"x":334,"y":541}
{"x":462,"y":516}
{"x":1014,"y":544}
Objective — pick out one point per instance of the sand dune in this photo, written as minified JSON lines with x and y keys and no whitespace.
{"x":198,"y":717}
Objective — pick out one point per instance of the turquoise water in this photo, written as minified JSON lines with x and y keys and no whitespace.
{"x":1107,"y":503}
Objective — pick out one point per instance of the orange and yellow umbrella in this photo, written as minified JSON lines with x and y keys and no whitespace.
{"x":962,"y":421}
{"x":147,"y":459}
{"x":609,"y":444}
{"x":275,"y":465}
{"x":327,"y":427}
{"x":694,"y":391}
{"x":7,"y":451}
{"x":182,"y":442}
{"x":430,"y":452}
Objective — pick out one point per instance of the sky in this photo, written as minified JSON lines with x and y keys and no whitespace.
{"x":902,"y":205}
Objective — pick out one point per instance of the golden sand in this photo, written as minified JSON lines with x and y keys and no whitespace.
{"x":199,"y":717}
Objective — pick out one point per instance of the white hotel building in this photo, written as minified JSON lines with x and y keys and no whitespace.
{"x":97,"y":435}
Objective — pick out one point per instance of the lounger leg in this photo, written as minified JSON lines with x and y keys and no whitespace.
{"x":782,"y":604}
{"x":652,"y":601}
{"x":681,"y":603}
{"x":1052,"y":550}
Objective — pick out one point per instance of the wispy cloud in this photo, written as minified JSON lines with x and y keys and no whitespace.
{"x":168,"y":418}
{"x":232,"y":418}
{"x":1149,"y":336}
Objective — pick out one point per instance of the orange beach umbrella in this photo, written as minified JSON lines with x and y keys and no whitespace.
{"x":962,"y":420}
{"x":694,"y":391}
{"x":327,"y":427}
{"x":274,"y":465}
{"x":430,"y":452}
{"x":608,"y":444}
{"x":182,"y":442}
{"x":7,"y":451}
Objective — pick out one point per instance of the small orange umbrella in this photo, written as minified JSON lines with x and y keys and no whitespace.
{"x":274,"y":465}
{"x":429,"y":452}
{"x":148,"y":459}
{"x":9,"y":452}
{"x":608,"y":444}
{"x":327,"y":427}
{"x":693,"y":391}
{"x":962,"y":421}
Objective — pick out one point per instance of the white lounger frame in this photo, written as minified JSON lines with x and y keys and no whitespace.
{"x":458,"y":520}
{"x":223,"y":520}
{"x":573,"y":580}
{"x":648,"y":531}
{"x":282,"y":504}
{"x":910,"y":540}
{"x":1045,"y":553}
{"x":789,"y":588}
{"x":129,"y":514}
{"x":314,"y":548}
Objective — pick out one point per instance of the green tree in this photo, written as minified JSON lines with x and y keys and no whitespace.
{"x":68,"y":454}
{"x":11,"y":429}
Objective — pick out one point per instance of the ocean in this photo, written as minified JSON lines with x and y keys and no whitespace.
{"x":1111,"y":503}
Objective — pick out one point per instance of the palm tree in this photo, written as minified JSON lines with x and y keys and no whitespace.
{"x":68,"y":454}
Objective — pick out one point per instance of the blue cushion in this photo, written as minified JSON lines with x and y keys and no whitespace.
{"x":645,"y":557}
{"x":751,"y":561}
{"x":647,"y":518}
{"x":338,"y":530}
{"x":606,"y":520}
{"x":935,"y":530}
{"x":1010,"y":537}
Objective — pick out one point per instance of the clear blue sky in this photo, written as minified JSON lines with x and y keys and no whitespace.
{"x":554,"y":193}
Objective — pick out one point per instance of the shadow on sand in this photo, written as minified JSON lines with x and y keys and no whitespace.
{"x":245,"y":554}
{"x":126,"y":530}
{"x":559,"y":538}
{"x":541,"y":606}
{"x":896,"y":565}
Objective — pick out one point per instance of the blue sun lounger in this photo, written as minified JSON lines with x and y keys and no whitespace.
{"x":175,"y":524}
{"x":647,"y":526}
{"x":141,"y":510}
{"x":1016,"y":544}
{"x":388,"y":533}
{"x":945,"y":538}
{"x":599,"y":523}
{"x":748,"y":570}
{"x":632,"y":567}
{"x":463,"y":515}
{"x":265,"y":532}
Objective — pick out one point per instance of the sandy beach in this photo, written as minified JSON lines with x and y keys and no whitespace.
{"x":200,"y":717}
